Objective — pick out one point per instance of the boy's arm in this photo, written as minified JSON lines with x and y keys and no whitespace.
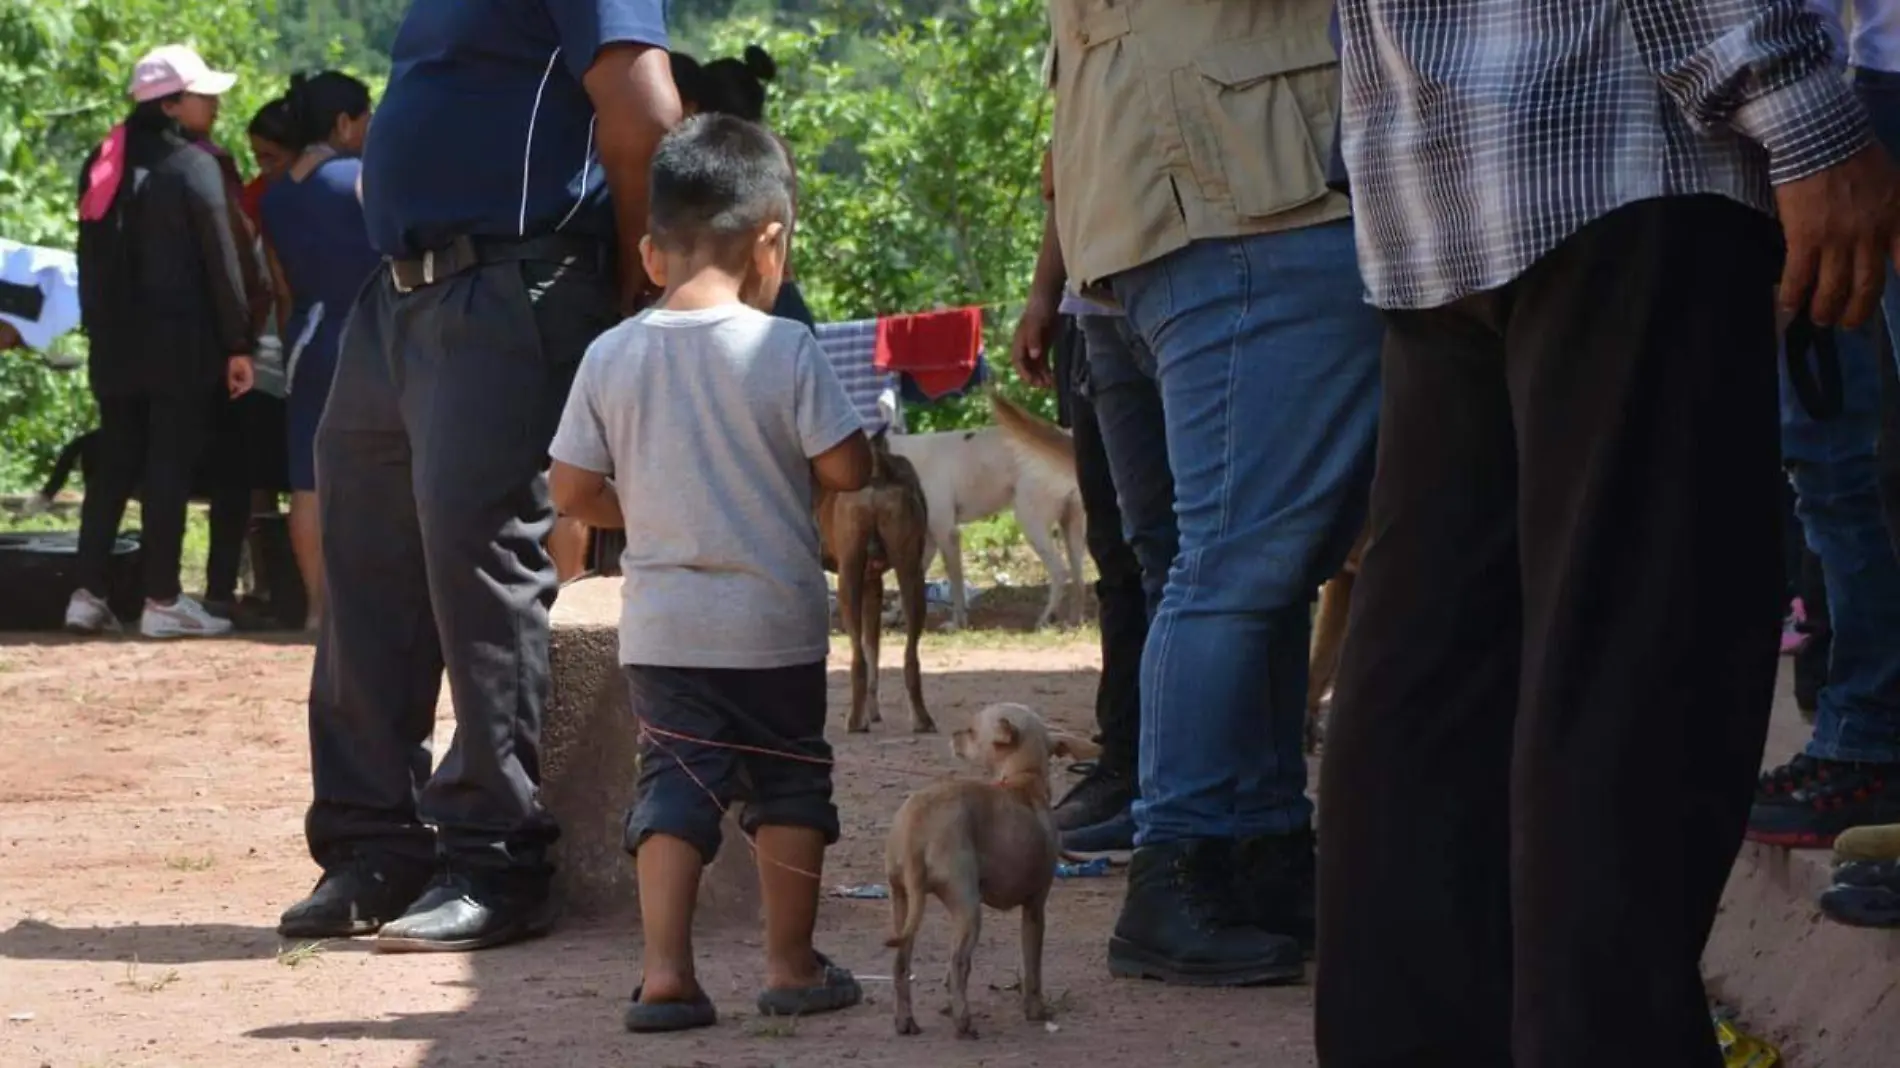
{"x":585,"y":495}
{"x":582,"y":459}
{"x":828,"y":423}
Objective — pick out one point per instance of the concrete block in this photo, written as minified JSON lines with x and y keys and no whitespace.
{"x":590,"y":764}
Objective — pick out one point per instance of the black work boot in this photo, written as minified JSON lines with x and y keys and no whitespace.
{"x":354,"y":898}
{"x":1177,"y":923}
{"x":462,"y":911}
{"x":1275,"y":885}
{"x":1103,"y":794}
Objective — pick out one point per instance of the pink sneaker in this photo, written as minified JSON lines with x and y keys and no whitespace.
{"x":1792,"y":639}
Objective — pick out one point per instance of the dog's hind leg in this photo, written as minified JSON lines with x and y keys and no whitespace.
{"x":965,"y":903}
{"x":1035,"y":1009}
{"x":871,"y":623}
{"x":903,"y":1018}
{"x":910,"y":586}
{"x":850,"y":590}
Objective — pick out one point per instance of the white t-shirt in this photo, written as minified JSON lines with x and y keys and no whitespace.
{"x":56,"y":275}
{"x":707,"y":423}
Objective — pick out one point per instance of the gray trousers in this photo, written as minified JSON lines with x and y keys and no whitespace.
{"x":431,"y":461}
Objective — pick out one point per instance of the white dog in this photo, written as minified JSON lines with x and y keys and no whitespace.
{"x":974,"y":474}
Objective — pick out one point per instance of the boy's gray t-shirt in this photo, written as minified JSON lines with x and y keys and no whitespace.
{"x":707,"y":422}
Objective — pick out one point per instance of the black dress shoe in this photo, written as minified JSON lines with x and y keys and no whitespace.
{"x":460,"y":912}
{"x":1178,"y":924}
{"x":355,"y":898}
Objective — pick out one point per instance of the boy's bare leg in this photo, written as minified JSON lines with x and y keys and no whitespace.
{"x":791,"y":862}
{"x":668,"y":869}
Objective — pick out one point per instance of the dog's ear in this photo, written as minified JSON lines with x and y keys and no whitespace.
{"x":1006,"y":735}
{"x":1070,"y":747}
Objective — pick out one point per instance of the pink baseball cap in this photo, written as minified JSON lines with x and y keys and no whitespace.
{"x":176,"y":69}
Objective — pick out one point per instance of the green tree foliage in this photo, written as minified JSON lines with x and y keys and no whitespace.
{"x":919,"y":143}
{"x":63,"y":71}
{"x":918,"y":126}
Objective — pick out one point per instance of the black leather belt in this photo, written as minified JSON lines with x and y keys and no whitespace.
{"x":468,"y":253}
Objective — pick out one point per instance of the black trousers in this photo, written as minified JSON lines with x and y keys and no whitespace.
{"x":224,"y":477}
{"x":434,"y":505}
{"x":149,"y":443}
{"x":1553,"y":700}
{"x":1118,"y":591}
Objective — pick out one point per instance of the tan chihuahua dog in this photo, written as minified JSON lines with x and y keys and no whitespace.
{"x":972,"y":844}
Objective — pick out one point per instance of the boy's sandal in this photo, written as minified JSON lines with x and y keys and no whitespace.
{"x":838,"y":989}
{"x":662,"y":1016}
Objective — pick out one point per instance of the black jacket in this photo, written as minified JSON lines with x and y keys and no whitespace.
{"x":161,"y":285}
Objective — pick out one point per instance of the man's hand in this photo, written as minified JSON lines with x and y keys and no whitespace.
{"x":239,"y":375}
{"x":1840,"y":226}
{"x":9,"y":337}
{"x":1035,"y":334}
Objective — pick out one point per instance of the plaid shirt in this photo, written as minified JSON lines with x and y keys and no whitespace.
{"x":1480,"y":134}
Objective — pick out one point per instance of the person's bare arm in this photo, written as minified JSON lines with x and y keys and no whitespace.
{"x":845,"y":466}
{"x":1029,"y":348}
{"x":585,"y":495}
{"x":635,"y":103}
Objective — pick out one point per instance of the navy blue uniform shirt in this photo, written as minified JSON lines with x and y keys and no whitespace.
{"x":485,"y":129}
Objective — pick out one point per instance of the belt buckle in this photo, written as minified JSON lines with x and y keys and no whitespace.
{"x":428,"y":274}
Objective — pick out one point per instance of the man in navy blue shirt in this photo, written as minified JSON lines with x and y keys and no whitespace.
{"x":504,"y":181}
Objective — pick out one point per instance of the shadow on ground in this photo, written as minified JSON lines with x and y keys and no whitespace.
{"x":189,"y":943}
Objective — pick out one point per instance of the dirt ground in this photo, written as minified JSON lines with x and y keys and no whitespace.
{"x":151,"y":805}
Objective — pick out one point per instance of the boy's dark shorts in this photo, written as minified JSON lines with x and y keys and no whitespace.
{"x":686,"y":786}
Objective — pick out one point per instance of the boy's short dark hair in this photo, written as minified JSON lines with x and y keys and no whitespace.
{"x":719,"y":180}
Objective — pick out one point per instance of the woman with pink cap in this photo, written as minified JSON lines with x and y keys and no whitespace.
{"x":163,"y":299}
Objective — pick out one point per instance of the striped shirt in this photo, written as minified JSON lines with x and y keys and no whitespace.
{"x":1480,"y":134}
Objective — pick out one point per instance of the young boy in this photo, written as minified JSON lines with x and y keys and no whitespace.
{"x":713,"y":420}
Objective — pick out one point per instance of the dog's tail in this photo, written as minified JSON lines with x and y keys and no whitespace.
{"x":69,"y":458}
{"x":1044,"y":451}
{"x":913,"y":903}
{"x":880,"y":456}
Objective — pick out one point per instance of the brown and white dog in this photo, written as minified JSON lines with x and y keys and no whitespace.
{"x":865,"y":533}
{"x":974,"y":844}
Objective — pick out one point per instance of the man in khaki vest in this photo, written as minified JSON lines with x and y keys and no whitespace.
{"x":1191,"y":143}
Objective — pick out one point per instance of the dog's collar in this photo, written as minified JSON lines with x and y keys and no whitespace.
{"x":1025,"y":782}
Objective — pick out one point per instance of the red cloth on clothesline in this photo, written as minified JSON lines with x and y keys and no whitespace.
{"x":938,"y":350}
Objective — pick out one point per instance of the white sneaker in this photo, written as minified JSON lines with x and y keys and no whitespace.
{"x":183,"y":618}
{"x":86,"y":614}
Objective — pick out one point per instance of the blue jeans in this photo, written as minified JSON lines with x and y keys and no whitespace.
{"x":1128,"y":410}
{"x":1836,"y":475}
{"x":1267,"y":360}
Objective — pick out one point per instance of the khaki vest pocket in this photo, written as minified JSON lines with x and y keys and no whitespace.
{"x":1256,"y":119}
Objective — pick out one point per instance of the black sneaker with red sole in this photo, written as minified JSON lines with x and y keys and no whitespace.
{"x":1806,"y":802}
